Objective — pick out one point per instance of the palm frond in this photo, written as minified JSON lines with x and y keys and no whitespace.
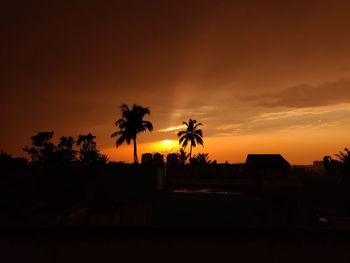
{"x":124,"y":107}
{"x":182,"y":139}
{"x":120,"y":141}
{"x":120,"y":122}
{"x":198,"y":139}
{"x":117,"y":133}
{"x":198,"y":124}
{"x":180,"y":133}
{"x":198,"y":132}
{"x":148,"y":125}
{"x":183,"y":142}
{"x":125,"y":111}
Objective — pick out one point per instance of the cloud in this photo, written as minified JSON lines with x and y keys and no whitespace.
{"x":290,"y":120}
{"x":173,"y":128}
{"x":199,"y":111}
{"x":306,"y":95}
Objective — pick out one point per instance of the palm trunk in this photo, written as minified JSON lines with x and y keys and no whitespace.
{"x":135,"y":151}
{"x":190,"y":153}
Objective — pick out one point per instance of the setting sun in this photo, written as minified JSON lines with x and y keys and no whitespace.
{"x":167,"y":145}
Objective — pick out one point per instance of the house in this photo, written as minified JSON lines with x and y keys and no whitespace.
{"x":267,"y":165}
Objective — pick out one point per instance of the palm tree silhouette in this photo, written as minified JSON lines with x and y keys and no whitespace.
{"x":131,"y":124}
{"x":191,"y":134}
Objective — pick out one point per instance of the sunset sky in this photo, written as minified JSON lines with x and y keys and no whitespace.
{"x":262,"y":76}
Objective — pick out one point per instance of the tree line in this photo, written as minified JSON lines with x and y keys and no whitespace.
{"x":43,"y":152}
{"x":82,"y":150}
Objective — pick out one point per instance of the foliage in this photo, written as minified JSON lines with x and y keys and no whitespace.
{"x":344,"y":157}
{"x":338,"y":170}
{"x":88,"y":153}
{"x":65,"y":149}
{"x":191,"y":135}
{"x":201,"y":159}
{"x":42,"y":149}
{"x":131,"y":124}
{"x":44,"y":153}
{"x":182,"y":156}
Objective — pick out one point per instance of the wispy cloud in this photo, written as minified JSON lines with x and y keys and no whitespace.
{"x":200,"y":111}
{"x":290,"y":120}
{"x":306,"y":95}
{"x":173,"y":128}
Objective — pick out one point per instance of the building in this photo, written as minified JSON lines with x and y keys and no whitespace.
{"x":146,"y":158}
{"x":267,"y":165}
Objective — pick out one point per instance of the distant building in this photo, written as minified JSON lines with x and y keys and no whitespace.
{"x":158,"y":159}
{"x":146,"y":158}
{"x":267,"y":165}
{"x":149,"y":158}
{"x":317,"y":168}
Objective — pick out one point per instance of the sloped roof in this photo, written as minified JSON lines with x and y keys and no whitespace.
{"x":266,"y":160}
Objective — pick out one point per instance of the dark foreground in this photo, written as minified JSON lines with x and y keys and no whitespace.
{"x":173,"y":244}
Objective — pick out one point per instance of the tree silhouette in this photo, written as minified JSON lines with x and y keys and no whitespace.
{"x":42,"y":149}
{"x":88,"y":153}
{"x":130,"y":125}
{"x":344,"y":157}
{"x":182,"y":156}
{"x":337,"y":169}
{"x":191,"y":134}
{"x":65,"y":149}
{"x":201,"y":159}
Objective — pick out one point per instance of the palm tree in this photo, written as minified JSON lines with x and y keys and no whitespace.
{"x":131,"y":124}
{"x":337,"y":169}
{"x":191,"y":134}
{"x":344,"y":157}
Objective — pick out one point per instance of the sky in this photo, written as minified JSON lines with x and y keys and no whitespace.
{"x":262,"y":76}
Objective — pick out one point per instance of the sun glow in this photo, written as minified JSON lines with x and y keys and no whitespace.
{"x":167,"y":146}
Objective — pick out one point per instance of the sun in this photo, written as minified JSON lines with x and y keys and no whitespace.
{"x":168,"y":145}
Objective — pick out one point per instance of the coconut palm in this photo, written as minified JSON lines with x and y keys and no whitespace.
{"x":192,"y":134}
{"x":130,"y":125}
{"x":344,"y":157}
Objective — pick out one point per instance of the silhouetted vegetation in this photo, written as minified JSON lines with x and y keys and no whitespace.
{"x":65,"y":149}
{"x":177,"y":159}
{"x":12,"y":166}
{"x":338,"y":170}
{"x":191,"y":135}
{"x":132,"y":124}
{"x":45,"y":154}
{"x":201,"y":159}
{"x":183,"y":156}
{"x":88,"y":153}
{"x":42,"y":149}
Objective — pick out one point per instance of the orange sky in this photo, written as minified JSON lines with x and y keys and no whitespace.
{"x":262,"y":76}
